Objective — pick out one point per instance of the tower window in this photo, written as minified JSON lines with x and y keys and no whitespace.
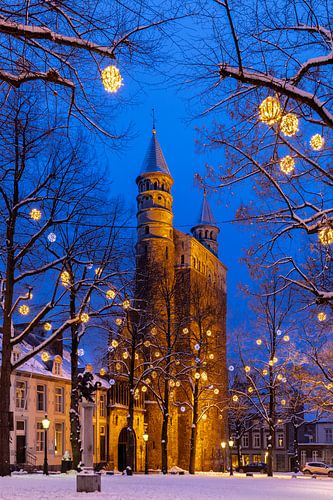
{"x":162,"y":187}
{"x":147,"y":185}
{"x":200,"y":234}
{"x":211,"y":235}
{"x":167,"y":252}
{"x":155,"y":185}
{"x":206,"y":234}
{"x":147,"y":230}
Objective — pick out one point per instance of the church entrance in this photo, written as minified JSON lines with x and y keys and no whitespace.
{"x":122,"y":450}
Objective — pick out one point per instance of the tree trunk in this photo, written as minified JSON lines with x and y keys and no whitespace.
{"x":130,"y":445}
{"x":193,"y":440}
{"x":74,"y":416}
{"x":164,"y":440}
{"x":5,"y":400}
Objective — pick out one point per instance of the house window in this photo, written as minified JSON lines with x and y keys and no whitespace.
{"x":59,"y":399}
{"x":328,"y":435}
{"x":21,"y":395}
{"x":59,"y":438}
{"x":256,"y":458}
{"x":102,"y":405}
{"x":256,"y":440}
{"x":41,"y":397}
{"x":15,"y":356}
{"x":20,"y":425}
{"x":40,"y":437}
{"x":245,"y":440}
{"x":280,"y":440}
{"x":303,"y":457}
{"x":315,"y":455}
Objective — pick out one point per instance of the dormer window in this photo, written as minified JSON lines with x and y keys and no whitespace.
{"x":15,"y":356}
{"x":57,"y":365}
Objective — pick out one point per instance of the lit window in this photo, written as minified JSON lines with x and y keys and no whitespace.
{"x":57,"y":366}
{"x":59,"y":399}
{"x":280,"y":439}
{"x":102,"y":406}
{"x":21,"y":395}
{"x":59,"y":439}
{"x":245,"y":440}
{"x":40,"y":437}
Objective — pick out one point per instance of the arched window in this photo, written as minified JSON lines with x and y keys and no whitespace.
{"x":200,"y":235}
{"x":147,"y":185}
{"x":147,"y":230}
{"x":211,"y":235}
{"x":166,"y":253}
{"x":206,"y":233}
{"x":162,"y":187}
{"x":155,"y":185}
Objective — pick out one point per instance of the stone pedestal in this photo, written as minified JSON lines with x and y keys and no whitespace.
{"x":87,"y":481}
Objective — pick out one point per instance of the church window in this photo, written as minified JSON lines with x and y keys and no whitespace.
{"x":166,"y":253}
{"x":159,"y":198}
{"x":198,"y":265}
{"x":155,"y":185}
{"x":162,"y":187}
{"x":182,"y":259}
{"x":211,"y":235}
{"x":200,"y":234}
{"x":194,"y":262}
{"x":147,"y":185}
{"x":147,"y":229}
{"x":206,"y":233}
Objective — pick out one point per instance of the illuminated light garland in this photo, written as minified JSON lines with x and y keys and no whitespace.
{"x":204,"y":416}
{"x":250,"y":390}
{"x":258,"y":341}
{"x":47,"y":326}
{"x":182,"y":409}
{"x":321,"y":316}
{"x":317,"y":142}
{"x":45,"y":356}
{"x":102,"y":372}
{"x":24,"y":310}
{"x":98,"y":271}
{"x":204,"y":376}
{"x":265,"y":372}
{"x":177,"y":383}
{"x":111,"y":79}
{"x":65,"y":278}
{"x":209,"y":333}
{"x":325,"y":236}
{"x":119,"y":321}
{"x":216,"y":391}
{"x":211,"y":356}
{"x":287,"y":164}
{"x":289,"y":124}
{"x":286,"y":338}
{"x":51,"y":237}
{"x":185,"y":330}
{"x":235,"y":398}
{"x":146,"y":343}
{"x":270,"y":110}
{"x":197,"y":375}
{"x":84,"y":318}
{"x":247,"y":369}
{"x":157,"y":354}
{"x":126,"y":304}
{"x":125,"y":355}
{"x":114,"y":343}
{"x":279,"y":377}
{"x":283,"y":402}
{"x":35,"y":214}
{"x":144,"y":388}
{"x":154,"y":331}
{"x":110,"y":294}
{"x":118,"y":367}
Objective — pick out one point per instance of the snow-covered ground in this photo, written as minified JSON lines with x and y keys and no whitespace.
{"x":139,"y":487}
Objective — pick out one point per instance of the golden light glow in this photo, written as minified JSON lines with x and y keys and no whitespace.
{"x":204,"y":416}
{"x":321,"y":316}
{"x":178,"y":383}
{"x":89,"y":367}
{"x":275,"y":360}
{"x":24,"y":310}
{"x":111,"y":79}
{"x":287,"y":164}
{"x":126,"y":304}
{"x":216,"y":391}
{"x":271,"y":362}
{"x":144,"y":388}
{"x":157,"y":354}
{"x":119,"y":321}
{"x":118,"y":367}
{"x":125,"y":355}
{"x":235,"y":398}
{"x":65,"y":278}
{"x":317,"y":141}
{"x":148,"y":381}
{"x":265,"y":372}
{"x":247,"y":369}
{"x":250,"y":390}
{"x":110,"y":294}
{"x":279,"y":377}
{"x":209,"y":333}
{"x":185,"y":330}
{"x":283,"y":402}
{"x":153,"y":331}
{"x":98,"y":271}
{"x":172,"y":383}
{"x":211,"y":356}
{"x":146,"y":343}
{"x":47,"y":326}
{"x":204,"y":376}
{"x":286,"y":338}
{"x":35,"y":214}
{"x":45,"y":356}
{"x":154,"y":374}
{"x":325,"y":236}
{"x":102,"y":372}
{"x":114,"y":343}
{"x":270,"y":110}
{"x":197,"y":375}
{"x":84,"y":318}
{"x":289,"y":124}
{"x":136,"y":356}
{"x":258,"y":341}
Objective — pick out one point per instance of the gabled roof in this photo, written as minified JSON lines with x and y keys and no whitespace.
{"x":206,"y":215}
{"x":154,"y":160}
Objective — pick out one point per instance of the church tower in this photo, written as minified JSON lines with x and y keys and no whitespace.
{"x":206,"y":230}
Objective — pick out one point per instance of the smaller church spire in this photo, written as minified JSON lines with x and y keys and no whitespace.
{"x":154,"y":160}
{"x":206,"y":230}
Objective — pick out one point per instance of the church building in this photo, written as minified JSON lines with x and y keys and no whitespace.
{"x":183,"y":285}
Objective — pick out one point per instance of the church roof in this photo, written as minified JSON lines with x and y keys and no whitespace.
{"x":154,"y":160}
{"x":206,"y":215}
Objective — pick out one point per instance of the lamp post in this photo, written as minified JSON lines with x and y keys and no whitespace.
{"x":231,"y":444}
{"x":223,"y":445}
{"x":145,"y":438}
{"x":46,"y":424}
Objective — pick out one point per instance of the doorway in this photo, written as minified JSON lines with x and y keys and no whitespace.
{"x":20,"y":449}
{"x":122,"y":450}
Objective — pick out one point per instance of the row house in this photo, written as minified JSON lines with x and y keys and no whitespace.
{"x":316,"y":442}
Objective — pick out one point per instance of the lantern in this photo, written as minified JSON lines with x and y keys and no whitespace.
{"x":24,"y":310}
{"x":110,"y":294}
{"x":317,"y":141}
{"x":270,"y":110}
{"x":84,"y":318}
{"x":287,"y":164}
{"x":321,"y":316}
{"x":47,"y":326}
{"x":35,"y":214}
{"x":325,"y":236}
{"x":111,"y":79}
{"x":289,"y":124}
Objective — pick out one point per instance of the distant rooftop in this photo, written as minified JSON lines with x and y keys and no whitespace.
{"x":154,"y":160}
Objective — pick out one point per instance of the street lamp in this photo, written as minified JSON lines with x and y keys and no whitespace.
{"x":145,"y":438}
{"x":46,"y":424}
{"x":223,"y":445}
{"x":231,"y":444}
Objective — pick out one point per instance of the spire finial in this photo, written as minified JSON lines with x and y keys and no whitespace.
{"x":153,"y":113}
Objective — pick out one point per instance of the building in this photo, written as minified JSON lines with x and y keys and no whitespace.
{"x":190,"y":262}
{"x":42,"y":386}
{"x":316,"y":442}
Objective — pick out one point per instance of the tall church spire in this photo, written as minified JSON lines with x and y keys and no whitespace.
{"x":206,"y":230}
